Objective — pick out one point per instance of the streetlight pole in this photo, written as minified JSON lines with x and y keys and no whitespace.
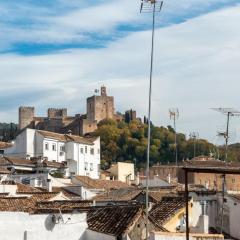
{"x":151,"y":6}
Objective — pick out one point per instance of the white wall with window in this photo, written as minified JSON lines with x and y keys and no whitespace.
{"x":83,"y":157}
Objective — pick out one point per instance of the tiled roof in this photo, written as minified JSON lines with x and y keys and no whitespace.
{"x":4,"y":145}
{"x":4,"y":161}
{"x":100,"y":184}
{"x":66,"y":137}
{"x":53,"y":164}
{"x":123,"y":194}
{"x":204,"y":161}
{"x":66,"y":192}
{"x":23,"y":188}
{"x":14,"y":204}
{"x":114,"y":220}
{"x":235,"y":197}
{"x":23,"y":204}
{"x":63,"y":205}
{"x":165,"y":210}
{"x":4,"y":170}
{"x":79,"y":139}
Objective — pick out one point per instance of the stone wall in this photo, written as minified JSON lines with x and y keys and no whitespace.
{"x":26,"y":116}
{"x":57,"y":112}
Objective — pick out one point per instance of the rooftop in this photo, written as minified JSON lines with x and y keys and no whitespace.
{"x":5,"y":161}
{"x":211,"y":165}
{"x":165,"y":210}
{"x":113,"y":220}
{"x":100,"y":184}
{"x":4,"y":145}
{"x":66,"y":137}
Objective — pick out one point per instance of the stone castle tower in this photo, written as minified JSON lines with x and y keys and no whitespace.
{"x":100,"y":107}
{"x":26,"y":116}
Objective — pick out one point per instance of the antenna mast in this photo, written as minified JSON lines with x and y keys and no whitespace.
{"x":229,"y":112}
{"x":194,"y":136}
{"x":150,"y":6}
{"x":174,"y":114}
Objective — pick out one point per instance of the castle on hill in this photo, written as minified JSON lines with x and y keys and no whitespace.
{"x":99,"y":107}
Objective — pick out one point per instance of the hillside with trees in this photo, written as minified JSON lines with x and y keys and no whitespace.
{"x":122,"y":141}
{"x":8,"y":131}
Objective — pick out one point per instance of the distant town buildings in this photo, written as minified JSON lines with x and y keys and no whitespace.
{"x":99,"y":107}
{"x":81,"y":155}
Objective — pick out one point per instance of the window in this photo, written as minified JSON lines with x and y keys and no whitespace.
{"x":91,"y":166}
{"x":233,"y":180}
{"x":92,"y":151}
{"x":62,"y":148}
{"x":46,"y":146}
{"x":86,"y":166}
{"x":54,"y":147}
{"x":81,"y":150}
{"x":98,"y":151}
{"x":85,"y":149}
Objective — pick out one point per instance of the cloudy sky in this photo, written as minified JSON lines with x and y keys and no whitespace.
{"x":55,"y":53}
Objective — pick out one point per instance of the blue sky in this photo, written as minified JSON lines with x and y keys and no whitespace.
{"x":55,"y":53}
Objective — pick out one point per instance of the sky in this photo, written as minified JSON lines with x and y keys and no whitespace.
{"x":55,"y":53}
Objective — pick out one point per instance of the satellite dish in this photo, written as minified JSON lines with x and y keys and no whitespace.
{"x":13,"y":170}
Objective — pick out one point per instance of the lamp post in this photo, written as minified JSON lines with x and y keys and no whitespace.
{"x":150,"y":6}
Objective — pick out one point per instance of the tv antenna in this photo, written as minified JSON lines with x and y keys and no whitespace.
{"x":194,"y":136}
{"x":150,"y":6}
{"x":174,"y":114}
{"x":229,"y":112}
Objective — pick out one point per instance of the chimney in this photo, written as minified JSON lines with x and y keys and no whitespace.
{"x":49,"y":185}
{"x":169,"y":178}
{"x":203,"y":222}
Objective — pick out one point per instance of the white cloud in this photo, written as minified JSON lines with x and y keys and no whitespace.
{"x":79,"y":21}
{"x":195,"y":68}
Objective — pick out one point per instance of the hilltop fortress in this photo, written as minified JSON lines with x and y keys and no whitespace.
{"x":57,"y":120}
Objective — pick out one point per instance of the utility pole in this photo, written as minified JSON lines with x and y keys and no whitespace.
{"x":150,"y":6}
{"x":174,"y":114}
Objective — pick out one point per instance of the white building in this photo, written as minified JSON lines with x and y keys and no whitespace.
{"x":82,"y":155}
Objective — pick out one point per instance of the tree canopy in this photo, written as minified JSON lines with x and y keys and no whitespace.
{"x":122,"y":141}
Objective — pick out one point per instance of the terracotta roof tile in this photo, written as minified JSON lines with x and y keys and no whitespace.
{"x":100,"y":184}
{"x":4,"y":161}
{"x":4,"y":145}
{"x":123,"y":194}
{"x":23,"y":188}
{"x":66,"y":192}
{"x":63,"y":205}
{"x":114,"y":220}
{"x":165,"y":210}
{"x":66,"y":137}
{"x":4,"y":170}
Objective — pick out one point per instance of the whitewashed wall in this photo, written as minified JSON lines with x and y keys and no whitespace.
{"x":234,"y":217}
{"x":22,"y":226}
{"x":98,"y":236}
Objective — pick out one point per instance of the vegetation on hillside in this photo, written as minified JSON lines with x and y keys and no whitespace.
{"x":122,"y":141}
{"x":8,"y":131}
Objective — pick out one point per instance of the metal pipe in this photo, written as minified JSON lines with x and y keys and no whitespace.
{"x":149,"y":118}
{"x":222,"y":210}
{"x":227,"y":133}
{"x":175,"y":129}
{"x":186,"y":206}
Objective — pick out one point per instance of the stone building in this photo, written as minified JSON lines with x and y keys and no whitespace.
{"x":99,"y":107}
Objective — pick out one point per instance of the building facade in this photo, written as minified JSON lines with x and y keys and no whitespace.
{"x":82,"y":155}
